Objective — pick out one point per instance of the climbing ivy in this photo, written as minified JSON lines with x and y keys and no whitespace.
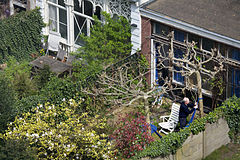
{"x":230,"y":110}
{"x":20,"y":35}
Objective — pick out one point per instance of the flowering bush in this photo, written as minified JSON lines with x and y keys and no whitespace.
{"x":132,"y":135}
{"x":60,"y":133}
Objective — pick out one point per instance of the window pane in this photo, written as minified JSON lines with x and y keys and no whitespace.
{"x":237,"y":77}
{"x":63,"y":23}
{"x":98,"y":12}
{"x":234,"y":54}
{"x":207,"y":44}
{"x":237,"y":92}
{"x":54,"y":1}
{"x":177,"y":75}
{"x":61,"y":3}
{"x":235,"y":80}
{"x":77,"y":7}
{"x":161,"y":29}
{"x":194,"y":38}
{"x":178,"y":53}
{"x":53,"y":18}
{"x":80,"y":26}
{"x":223,"y":50}
{"x":230,"y":75}
{"x":88,"y":8}
{"x":179,"y":35}
{"x":205,"y":83}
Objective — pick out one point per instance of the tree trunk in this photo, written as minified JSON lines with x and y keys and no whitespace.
{"x":199,"y":89}
{"x":147,"y":111}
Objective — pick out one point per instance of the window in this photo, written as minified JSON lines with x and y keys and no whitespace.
{"x":223,"y":49}
{"x":58,"y":17}
{"x":234,"y":82}
{"x":179,"y":35}
{"x":160,"y":71}
{"x":83,"y":18}
{"x":207,"y":44}
{"x":194,"y":38}
{"x":234,"y":53}
{"x":177,"y":76}
{"x":161,"y":29}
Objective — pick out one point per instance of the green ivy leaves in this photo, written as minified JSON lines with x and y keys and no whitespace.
{"x":231,"y":110}
{"x":20,"y":35}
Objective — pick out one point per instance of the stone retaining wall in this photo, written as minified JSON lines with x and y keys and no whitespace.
{"x":199,"y":146}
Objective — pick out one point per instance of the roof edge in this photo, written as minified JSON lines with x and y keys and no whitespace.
{"x":189,"y":27}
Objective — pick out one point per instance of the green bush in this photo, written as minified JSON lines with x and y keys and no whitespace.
{"x":21,"y":35}
{"x":56,"y":89}
{"x":108,"y":43}
{"x":7,"y":100}
{"x":27,"y":103}
{"x":58,"y":132}
{"x":19,"y":76}
{"x":42,"y":76}
{"x":231,"y":109}
{"x":16,"y":149}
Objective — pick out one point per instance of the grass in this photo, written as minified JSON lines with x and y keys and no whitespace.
{"x":228,"y":152}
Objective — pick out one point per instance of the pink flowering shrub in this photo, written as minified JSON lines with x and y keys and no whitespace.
{"x":132,"y":134}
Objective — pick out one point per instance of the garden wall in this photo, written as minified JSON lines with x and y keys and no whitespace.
{"x":199,"y":146}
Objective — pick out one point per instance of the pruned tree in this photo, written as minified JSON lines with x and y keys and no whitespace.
{"x":126,"y":85}
{"x":193,"y":63}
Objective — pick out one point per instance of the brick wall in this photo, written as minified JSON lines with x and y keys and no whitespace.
{"x":146,"y":41}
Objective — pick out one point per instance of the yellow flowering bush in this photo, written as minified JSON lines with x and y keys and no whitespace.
{"x":60,"y":133}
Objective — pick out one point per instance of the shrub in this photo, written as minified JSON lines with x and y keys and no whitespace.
{"x":7,"y":100}
{"x":27,"y":103}
{"x":132,"y":135}
{"x":19,"y":76}
{"x":108,"y":43}
{"x":59,"y":133}
{"x":42,"y":76}
{"x":231,"y":109}
{"x":17,"y":149}
{"x":56,"y":89}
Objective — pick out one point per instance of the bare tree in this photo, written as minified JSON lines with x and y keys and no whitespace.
{"x":126,"y":85}
{"x":202,"y":65}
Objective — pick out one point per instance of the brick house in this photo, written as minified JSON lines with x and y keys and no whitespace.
{"x":211,"y":23}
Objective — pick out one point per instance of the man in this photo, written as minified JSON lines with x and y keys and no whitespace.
{"x":184,"y":111}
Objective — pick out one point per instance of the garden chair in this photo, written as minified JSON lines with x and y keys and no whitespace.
{"x":169,"y":123}
{"x":61,"y":54}
{"x":53,"y":42}
{"x":70,"y":59}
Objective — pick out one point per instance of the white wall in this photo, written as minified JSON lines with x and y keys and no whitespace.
{"x":136,"y":30}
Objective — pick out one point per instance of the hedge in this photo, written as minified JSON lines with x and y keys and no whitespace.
{"x":169,"y":144}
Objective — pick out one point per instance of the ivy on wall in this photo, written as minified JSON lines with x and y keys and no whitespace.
{"x":21,"y":35}
{"x":231,"y":109}
{"x":170,"y":143}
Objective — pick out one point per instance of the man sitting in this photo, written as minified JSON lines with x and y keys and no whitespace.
{"x":184,"y":111}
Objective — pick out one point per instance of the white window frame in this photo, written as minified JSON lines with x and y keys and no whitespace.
{"x":64,"y":40}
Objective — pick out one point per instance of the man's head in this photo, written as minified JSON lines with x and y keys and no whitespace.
{"x":185,"y":100}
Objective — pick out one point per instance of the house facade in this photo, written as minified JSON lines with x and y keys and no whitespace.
{"x":212,"y":24}
{"x":70,"y":18}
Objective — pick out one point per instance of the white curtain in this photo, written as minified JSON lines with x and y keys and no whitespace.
{"x":53,"y":18}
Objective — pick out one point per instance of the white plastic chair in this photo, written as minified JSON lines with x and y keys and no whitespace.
{"x":169,"y":123}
